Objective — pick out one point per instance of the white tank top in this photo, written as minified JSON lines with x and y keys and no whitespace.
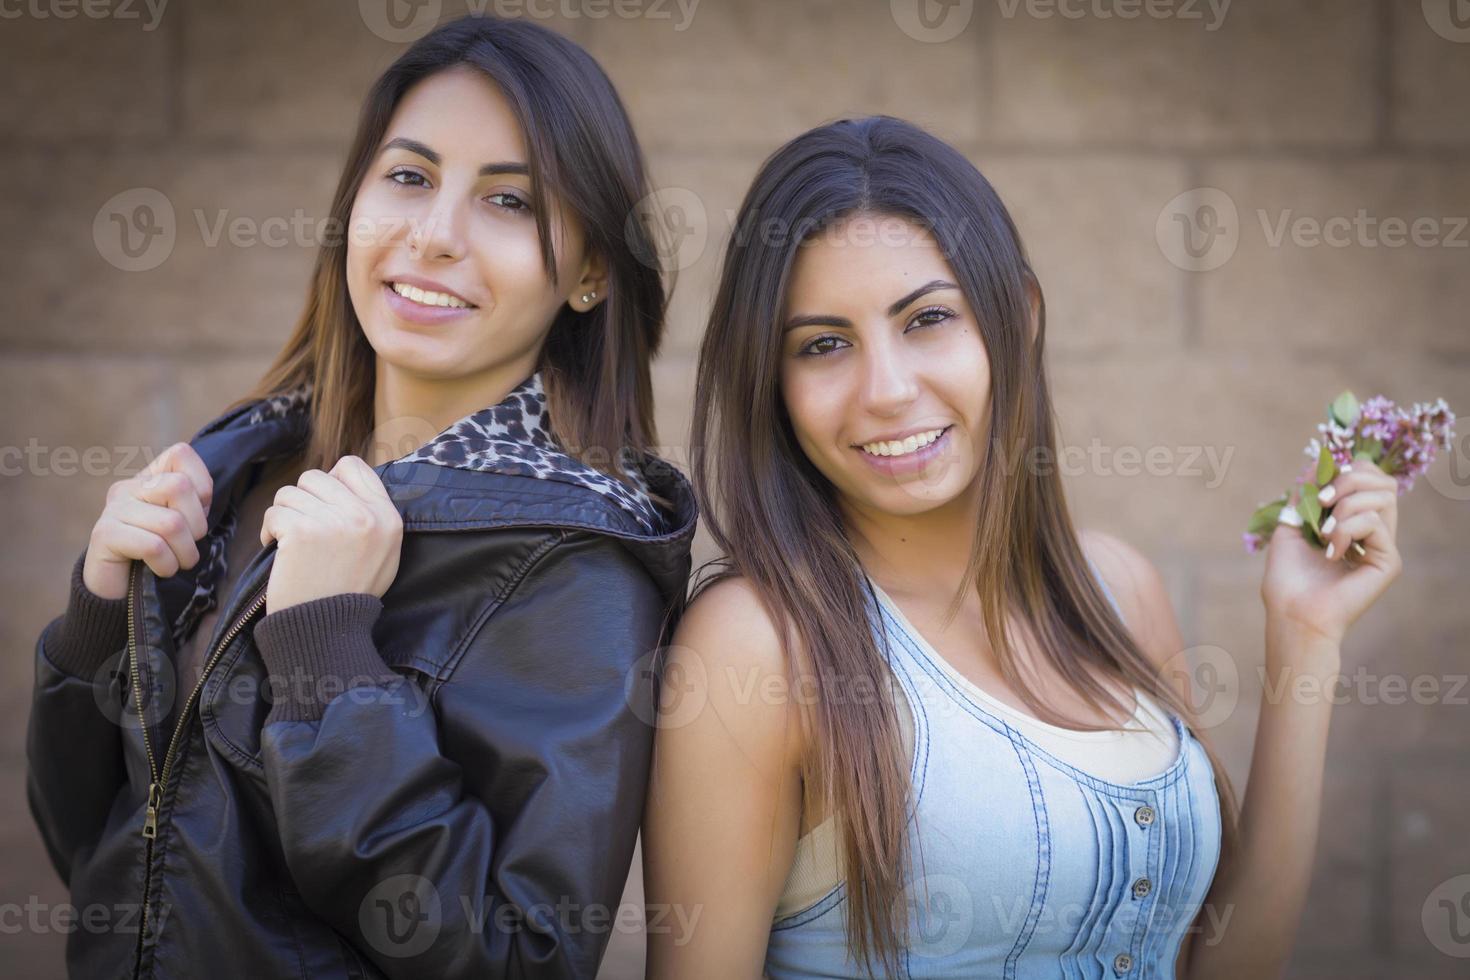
{"x":1148,"y":747}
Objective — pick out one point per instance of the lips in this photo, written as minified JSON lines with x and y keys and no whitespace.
{"x":914,"y":463}
{"x":427,"y":293}
{"x":409,"y":310}
{"x":903,"y":444}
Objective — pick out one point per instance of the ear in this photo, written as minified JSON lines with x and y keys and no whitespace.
{"x":590,"y":287}
{"x":1033,"y":297}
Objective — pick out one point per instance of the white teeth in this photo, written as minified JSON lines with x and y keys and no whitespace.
{"x":902,"y":447}
{"x":427,"y":298}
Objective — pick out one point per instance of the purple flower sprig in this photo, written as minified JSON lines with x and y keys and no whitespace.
{"x":1401,"y":442}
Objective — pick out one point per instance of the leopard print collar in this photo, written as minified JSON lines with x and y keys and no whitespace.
{"x":513,"y":436}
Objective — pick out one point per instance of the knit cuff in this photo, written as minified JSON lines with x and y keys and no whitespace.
{"x":90,"y":631}
{"x":316,"y":650}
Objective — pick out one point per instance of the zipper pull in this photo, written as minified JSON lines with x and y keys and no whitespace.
{"x":150,"y":820}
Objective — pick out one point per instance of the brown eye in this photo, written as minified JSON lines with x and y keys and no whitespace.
{"x":412,"y":178}
{"x":511,"y":202}
{"x":932,"y":315}
{"x":810,"y":348}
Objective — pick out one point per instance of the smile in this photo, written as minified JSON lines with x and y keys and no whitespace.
{"x":903,"y":447}
{"x":425,"y":297}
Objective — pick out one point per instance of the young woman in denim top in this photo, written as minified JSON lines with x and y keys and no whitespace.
{"x":924,"y":726}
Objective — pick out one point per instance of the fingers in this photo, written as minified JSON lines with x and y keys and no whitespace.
{"x":1367,"y":528}
{"x":327,"y":488}
{"x":1362,"y":476}
{"x":177,"y":491}
{"x":278,"y":522}
{"x":362,"y":478}
{"x":159,"y":536}
{"x":1384,"y":502}
{"x":181,"y":458}
{"x":350,"y":493}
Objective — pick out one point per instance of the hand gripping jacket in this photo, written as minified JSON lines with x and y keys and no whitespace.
{"x":444,"y":783}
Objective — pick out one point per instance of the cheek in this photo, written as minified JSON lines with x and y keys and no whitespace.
{"x":963,"y":373}
{"x":814,"y":400}
{"x":369,"y":238}
{"x":509,"y":263}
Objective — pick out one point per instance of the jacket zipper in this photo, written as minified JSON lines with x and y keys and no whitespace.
{"x":159,"y":779}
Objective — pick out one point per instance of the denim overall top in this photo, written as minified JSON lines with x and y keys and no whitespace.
{"x":1023,"y":867}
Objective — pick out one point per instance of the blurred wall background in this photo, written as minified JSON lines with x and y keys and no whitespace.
{"x":1216,"y":197}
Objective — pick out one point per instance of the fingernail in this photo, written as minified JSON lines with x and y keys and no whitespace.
{"x":1329,"y":524}
{"x":1345,"y":468}
{"x":1331,"y":547}
{"x":1327,"y":493}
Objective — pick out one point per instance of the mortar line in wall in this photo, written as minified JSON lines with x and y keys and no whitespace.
{"x":166,"y":407}
{"x":1189,"y":293}
{"x":1380,"y":879}
{"x":1336,"y":154}
{"x":988,"y":73}
{"x":1448,"y":153}
{"x":178,"y":44}
{"x":1383,"y":69}
{"x":1184,"y":565}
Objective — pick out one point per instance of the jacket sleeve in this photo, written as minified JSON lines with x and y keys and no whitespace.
{"x":488,"y":834}
{"x":74,"y":763}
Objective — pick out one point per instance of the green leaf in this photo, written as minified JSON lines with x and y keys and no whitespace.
{"x":1266,"y":517}
{"x":1311,"y":534}
{"x":1372,"y":448}
{"x":1309,"y":506}
{"x":1326,"y":468}
{"x":1344,"y":409}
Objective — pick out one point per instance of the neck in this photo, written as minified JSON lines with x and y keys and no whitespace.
{"x":409,"y":409}
{"x":925,"y":553}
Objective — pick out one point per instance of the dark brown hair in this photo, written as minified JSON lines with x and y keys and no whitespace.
{"x":776,"y":519}
{"x":583,"y":150}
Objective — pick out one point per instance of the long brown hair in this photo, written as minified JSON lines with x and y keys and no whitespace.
{"x":583,"y":150}
{"x":775,"y":516}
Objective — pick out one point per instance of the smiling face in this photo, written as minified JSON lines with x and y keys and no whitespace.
{"x":883,"y":369}
{"x":444,"y":263}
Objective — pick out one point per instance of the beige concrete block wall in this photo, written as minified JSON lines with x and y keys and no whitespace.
{"x":1091,"y":122}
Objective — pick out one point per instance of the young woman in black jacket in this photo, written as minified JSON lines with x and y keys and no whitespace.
{"x":357,"y":681}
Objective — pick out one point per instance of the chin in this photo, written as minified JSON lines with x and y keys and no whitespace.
{"x":915,"y":494}
{"x":422,"y":356}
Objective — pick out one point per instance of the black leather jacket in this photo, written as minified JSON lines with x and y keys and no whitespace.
{"x":470,"y":812}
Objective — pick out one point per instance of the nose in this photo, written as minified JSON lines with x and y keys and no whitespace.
{"x":890,"y":384}
{"x":438,"y":234}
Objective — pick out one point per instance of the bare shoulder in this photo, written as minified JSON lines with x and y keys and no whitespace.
{"x":727,"y":650}
{"x":1141,"y":592}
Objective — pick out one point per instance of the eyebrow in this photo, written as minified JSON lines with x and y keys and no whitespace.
{"x":423,"y":150}
{"x":831,"y":320}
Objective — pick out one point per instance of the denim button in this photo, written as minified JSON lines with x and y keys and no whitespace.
{"x":1122,"y":963}
{"x":1142,"y":887}
{"x":1144,"y":815}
